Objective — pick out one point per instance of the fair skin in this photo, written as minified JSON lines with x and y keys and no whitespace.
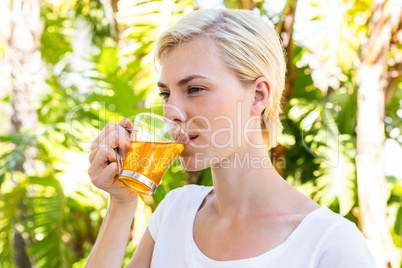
{"x":251,"y":206}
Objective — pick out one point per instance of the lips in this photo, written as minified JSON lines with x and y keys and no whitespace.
{"x":192,"y":138}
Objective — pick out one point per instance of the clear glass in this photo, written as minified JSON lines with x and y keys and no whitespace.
{"x":155,"y":143}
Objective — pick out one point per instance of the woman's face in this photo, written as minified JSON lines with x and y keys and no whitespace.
{"x":208,"y":101}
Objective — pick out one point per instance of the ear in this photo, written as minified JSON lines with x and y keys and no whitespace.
{"x":262,"y":93}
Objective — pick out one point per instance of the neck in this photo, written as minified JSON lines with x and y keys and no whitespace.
{"x":247,"y":185}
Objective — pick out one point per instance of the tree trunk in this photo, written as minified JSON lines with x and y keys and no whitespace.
{"x":23,"y":43}
{"x":369,"y":162}
{"x":370,"y":136}
{"x":285,"y":31}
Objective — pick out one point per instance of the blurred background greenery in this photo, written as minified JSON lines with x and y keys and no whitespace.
{"x":69,"y":67}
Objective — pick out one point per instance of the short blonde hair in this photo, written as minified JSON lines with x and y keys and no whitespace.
{"x":248,"y":45}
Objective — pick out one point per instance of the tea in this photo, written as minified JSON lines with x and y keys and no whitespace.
{"x":150,"y":159}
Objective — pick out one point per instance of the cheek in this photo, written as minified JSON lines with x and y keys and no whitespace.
{"x":223,"y":134}
{"x":228,"y":126}
{"x":220,"y":120}
{"x":194,"y":162}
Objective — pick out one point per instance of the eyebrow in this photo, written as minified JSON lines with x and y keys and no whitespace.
{"x":182,"y":81}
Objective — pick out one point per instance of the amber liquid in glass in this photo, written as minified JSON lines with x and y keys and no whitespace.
{"x":150,"y":159}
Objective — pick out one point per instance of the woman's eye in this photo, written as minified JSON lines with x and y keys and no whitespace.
{"x":193,"y":90}
{"x":164,"y":95}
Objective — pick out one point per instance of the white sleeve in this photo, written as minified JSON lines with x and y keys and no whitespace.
{"x":156,"y":218}
{"x":345,"y":247}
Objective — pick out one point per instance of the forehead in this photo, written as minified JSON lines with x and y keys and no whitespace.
{"x":202,"y":45}
{"x":198,"y":57}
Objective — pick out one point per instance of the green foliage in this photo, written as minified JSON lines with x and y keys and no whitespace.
{"x":56,"y":36}
{"x":10,"y":203}
{"x":341,"y":29}
{"x":393,"y":118}
{"x":99,"y":16}
{"x":395,"y":200}
{"x":393,"y":129}
{"x":346,"y":100}
{"x":36,"y":207}
{"x":395,"y":213}
{"x":60,"y":226}
{"x":45,"y":211}
{"x":115,"y":86}
{"x":321,"y":147}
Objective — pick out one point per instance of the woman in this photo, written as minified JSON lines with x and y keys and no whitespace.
{"x":222,"y":77}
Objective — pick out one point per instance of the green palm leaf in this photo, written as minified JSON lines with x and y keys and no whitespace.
{"x":334,"y":153}
{"x":46,"y":211}
{"x":9,"y":213}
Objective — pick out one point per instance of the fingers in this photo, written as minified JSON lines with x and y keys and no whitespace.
{"x":112,"y":135}
{"x":110,"y":127}
{"x":125,"y":123}
{"x":103,"y":168}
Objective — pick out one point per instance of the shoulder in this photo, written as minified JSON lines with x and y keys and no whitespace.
{"x":190,"y":191}
{"x":341,"y":243}
{"x":183,"y":198}
{"x":177,"y":207}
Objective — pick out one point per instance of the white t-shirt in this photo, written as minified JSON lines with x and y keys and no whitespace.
{"x":323,"y":239}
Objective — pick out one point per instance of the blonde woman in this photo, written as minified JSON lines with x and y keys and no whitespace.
{"x":222,"y":77}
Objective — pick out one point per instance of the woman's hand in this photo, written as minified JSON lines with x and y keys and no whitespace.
{"x":104,"y":170}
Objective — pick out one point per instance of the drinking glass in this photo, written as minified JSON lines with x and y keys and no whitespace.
{"x":155,"y":143}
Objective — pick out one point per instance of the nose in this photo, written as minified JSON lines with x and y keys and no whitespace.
{"x":174,"y":112}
